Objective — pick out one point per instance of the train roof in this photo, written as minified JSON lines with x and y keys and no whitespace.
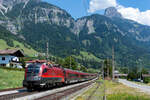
{"x":59,"y":66}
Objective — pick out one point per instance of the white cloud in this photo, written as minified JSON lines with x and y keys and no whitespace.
{"x":100,"y":4}
{"x":127,"y":12}
{"x":135,"y":14}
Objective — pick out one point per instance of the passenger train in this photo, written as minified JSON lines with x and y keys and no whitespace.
{"x":48,"y":75}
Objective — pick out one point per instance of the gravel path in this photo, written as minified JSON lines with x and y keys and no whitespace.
{"x":143,"y":88}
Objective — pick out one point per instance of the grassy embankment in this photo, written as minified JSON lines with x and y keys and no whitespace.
{"x":114,"y":91}
{"x":10,"y":78}
{"x":17,"y":45}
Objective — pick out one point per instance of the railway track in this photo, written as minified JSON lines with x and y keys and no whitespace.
{"x":62,"y":94}
{"x":53,"y":94}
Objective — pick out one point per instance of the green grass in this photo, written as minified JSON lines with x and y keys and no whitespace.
{"x":3,"y":44}
{"x":114,"y":91}
{"x":28,"y":51}
{"x":126,"y":96}
{"x":10,"y":78}
{"x":118,"y":91}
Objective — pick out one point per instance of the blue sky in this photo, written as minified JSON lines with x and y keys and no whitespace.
{"x":74,"y":7}
{"x":141,"y":4}
{"x":78,"y":8}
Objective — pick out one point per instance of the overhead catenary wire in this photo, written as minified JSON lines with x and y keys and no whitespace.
{"x":47,"y":49}
{"x":85,"y":5}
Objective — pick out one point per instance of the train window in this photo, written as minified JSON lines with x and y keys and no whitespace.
{"x":73,"y":75}
{"x":82,"y":76}
{"x":33,"y":69}
{"x":45,"y":70}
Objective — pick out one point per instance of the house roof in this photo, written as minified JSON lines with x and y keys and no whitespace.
{"x":14,"y":52}
{"x":36,"y":61}
{"x":146,"y":75}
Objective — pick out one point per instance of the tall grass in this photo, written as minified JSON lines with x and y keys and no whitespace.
{"x":10,"y":78}
{"x":126,"y":96}
{"x":118,"y":91}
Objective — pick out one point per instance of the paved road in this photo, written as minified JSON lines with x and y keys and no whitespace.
{"x":143,"y":88}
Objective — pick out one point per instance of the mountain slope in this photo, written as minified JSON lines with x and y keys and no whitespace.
{"x":8,"y":40}
{"x":110,"y":32}
{"x":39,"y":22}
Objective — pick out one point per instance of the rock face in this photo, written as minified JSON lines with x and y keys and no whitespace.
{"x":14,"y":13}
{"x":112,"y":12}
{"x":7,"y":5}
{"x":38,"y":22}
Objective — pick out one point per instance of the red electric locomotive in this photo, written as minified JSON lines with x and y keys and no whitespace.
{"x":43,"y":75}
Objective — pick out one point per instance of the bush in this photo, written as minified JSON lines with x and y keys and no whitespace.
{"x":146,"y":80}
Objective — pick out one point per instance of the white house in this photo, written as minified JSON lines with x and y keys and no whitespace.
{"x":10,"y":57}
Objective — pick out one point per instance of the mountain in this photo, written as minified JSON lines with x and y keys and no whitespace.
{"x":8,"y":40}
{"x":37,"y":22}
{"x":112,"y":12}
{"x":107,"y":32}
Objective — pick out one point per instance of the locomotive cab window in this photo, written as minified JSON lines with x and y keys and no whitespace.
{"x":45,"y":70}
{"x":35,"y":69}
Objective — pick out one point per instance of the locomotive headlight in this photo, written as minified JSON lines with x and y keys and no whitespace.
{"x":37,"y":78}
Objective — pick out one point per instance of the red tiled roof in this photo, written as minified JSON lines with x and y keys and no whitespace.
{"x":38,"y":61}
{"x":8,"y":51}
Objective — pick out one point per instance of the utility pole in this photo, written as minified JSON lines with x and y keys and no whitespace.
{"x":113,"y":63}
{"x":55,"y":59}
{"x":85,"y":5}
{"x":107,"y":66}
{"x":70,"y":61}
{"x":104,"y":97}
{"x":103,"y":70}
{"x":47,"y":55}
{"x":140,"y":61}
{"x":141,"y":71}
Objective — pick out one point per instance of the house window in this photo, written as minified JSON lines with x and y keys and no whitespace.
{"x":3,"y":58}
{"x":3,"y":65}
